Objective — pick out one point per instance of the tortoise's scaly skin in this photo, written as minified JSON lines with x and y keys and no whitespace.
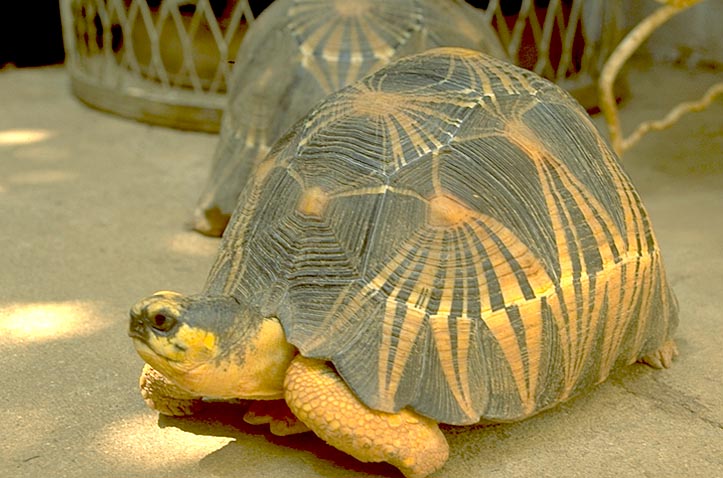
{"x":455,"y":236}
{"x":297,"y":52}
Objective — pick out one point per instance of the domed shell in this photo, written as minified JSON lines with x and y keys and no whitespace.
{"x":452,"y":233}
{"x":299,"y":51}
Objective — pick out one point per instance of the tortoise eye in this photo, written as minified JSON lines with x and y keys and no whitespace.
{"x":162,"y":322}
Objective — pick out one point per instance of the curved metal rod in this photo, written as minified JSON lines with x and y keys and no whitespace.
{"x":617,"y":59}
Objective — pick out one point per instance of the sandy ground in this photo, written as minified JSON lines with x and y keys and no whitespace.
{"x":93,"y":216}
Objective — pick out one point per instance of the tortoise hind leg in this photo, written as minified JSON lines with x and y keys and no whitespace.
{"x":165,"y":397}
{"x":663,"y":357}
{"x":317,"y":396}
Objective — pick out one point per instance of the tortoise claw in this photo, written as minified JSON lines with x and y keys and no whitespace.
{"x":663,"y":357}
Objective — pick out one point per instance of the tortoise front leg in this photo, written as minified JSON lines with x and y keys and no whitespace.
{"x":165,"y":397}
{"x":318,"y":397}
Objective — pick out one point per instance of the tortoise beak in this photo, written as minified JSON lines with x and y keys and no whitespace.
{"x":136,"y":328}
{"x":139,"y":328}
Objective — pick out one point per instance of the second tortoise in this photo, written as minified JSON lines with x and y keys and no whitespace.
{"x":299,"y":51}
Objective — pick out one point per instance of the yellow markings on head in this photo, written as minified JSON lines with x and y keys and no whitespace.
{"x":188,"y":347}
{"x":313,"y":202}
{"x":266,"y":358}
{"x":199,"y":343}
{"x":445,"y":212}
{"x":257,"y":374}
{"x":253,"y":369}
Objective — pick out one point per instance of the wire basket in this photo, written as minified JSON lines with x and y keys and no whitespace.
{"x":566,"y":41}
{"x":161,"y":61}
{"x":169,"y":61}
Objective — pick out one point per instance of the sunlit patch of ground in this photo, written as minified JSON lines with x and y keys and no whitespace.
{"x":14,"y":137}
{"x":46,"y":321}
{"x":137,"y":440}
{"x":193,"y":244}
{"x":25,"y":144}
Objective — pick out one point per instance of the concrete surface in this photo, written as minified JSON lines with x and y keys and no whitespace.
{"x":93,"y":213}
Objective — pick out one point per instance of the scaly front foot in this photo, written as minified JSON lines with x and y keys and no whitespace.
{"x":320,"y":398}
{"x":166,"y":398}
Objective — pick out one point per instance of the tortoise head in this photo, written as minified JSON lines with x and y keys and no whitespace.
{"x":212,"y":346}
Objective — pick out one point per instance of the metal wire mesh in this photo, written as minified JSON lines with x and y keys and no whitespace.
{"x":566,"y":41}
{"x":169,"y":61}
{"x":162,"y":61}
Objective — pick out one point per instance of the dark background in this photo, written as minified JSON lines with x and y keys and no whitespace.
{"x":30,"y":33}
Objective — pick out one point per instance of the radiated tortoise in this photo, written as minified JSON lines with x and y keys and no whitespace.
{"x":447,"y":240}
